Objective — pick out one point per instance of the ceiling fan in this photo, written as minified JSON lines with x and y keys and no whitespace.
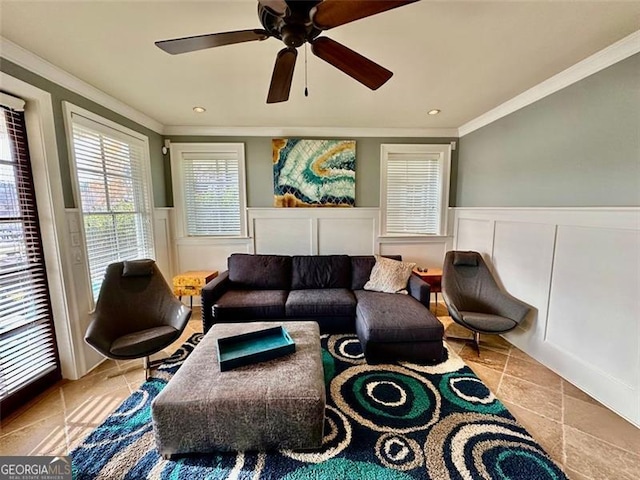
{"x":297,"y":22}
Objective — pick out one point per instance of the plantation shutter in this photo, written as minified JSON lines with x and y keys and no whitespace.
{"x":28,"y":353}
{"x":114,"y":196}
{"x":212,"y":193}
{"x":413,"y":193}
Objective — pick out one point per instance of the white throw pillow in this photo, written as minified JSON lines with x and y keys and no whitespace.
{"x":390,"y":276}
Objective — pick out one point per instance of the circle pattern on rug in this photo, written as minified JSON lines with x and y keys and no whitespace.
{"x":451,"y":363}
{"x":337,"y":437}
{"x":344,"y":469}
{"x":477,"y":445}
{"x":346,"y":348}
{"x":467,"y":391}
{"x":386,"y":398}
{"x":398,"y":452}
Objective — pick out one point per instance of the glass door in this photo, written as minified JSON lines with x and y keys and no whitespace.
{"x":29,"y":360}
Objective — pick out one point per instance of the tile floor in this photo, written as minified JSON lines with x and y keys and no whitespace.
{"x":584,"y":437}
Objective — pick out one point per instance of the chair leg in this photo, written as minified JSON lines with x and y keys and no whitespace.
{"x":476,"y":341}
{"x":147,"y":367}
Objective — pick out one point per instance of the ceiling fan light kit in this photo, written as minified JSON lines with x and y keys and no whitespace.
{"x":296,"y":23}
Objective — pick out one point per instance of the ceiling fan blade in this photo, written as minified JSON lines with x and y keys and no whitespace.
{"x":353,"y":64}
{"x":331,"y":13}
{"x":199,"y":42}
{"x":282,"y":75}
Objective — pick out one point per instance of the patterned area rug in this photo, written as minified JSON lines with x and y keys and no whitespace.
{"x":383,"y":422}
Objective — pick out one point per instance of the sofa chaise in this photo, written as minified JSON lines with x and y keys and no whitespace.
{"x":327,"y":289}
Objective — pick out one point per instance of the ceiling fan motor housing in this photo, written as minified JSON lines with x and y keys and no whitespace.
{"x":294,"y":28}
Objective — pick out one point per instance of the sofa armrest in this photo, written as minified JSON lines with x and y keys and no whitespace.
{"x":420,"y":290}
{"x":210,"y":294}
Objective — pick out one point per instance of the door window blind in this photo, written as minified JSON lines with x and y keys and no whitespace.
{"x":28,"y":354}
{"x":211,"y":184}
{"x":413,"y":193}
{"x":114,"y":196}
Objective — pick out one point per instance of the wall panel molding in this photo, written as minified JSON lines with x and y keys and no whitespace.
{"x":579,"y":270}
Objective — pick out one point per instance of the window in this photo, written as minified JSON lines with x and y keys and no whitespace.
{"x":414,"y":190}
{"x":28,"y":356}
{"x":208,"y":181}
{"x":113,"y":191}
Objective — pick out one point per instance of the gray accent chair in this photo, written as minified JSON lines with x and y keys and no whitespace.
{"x":475,"y":300}
{"x":136,"y":314}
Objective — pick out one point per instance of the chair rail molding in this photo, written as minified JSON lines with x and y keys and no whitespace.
{"x":572,"y":265}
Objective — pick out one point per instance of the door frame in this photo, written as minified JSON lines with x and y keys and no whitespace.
{"x":41,"y":138}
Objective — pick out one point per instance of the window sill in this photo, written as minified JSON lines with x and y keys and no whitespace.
{"x":212,"y":240}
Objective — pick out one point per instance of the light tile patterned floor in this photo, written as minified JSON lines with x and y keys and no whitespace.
{"x":588,"y":440}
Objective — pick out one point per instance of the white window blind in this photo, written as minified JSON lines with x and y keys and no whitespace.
{"x":413,"y":190}
{"x":114,"y":196}
{"x":209,"y":181}
{"x":28,"y":355}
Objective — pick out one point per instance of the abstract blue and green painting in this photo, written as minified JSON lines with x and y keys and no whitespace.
{"x":314,"y":173}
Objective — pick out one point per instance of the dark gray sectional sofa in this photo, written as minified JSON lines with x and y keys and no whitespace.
{"x":327,"y":289}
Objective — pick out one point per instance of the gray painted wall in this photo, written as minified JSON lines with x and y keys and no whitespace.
{"x":578,"y":147}
{"x":259,"y":166}
{"x":160,"y":167}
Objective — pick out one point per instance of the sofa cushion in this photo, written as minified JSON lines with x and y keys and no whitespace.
{"x":250,"y":304}
{"x":266,"y":272}
{"x":390,"y":276}
{"x":386,"y":317}
{"x":323,"y":302}
{"x":320,"y":271}
{"x":361,"y":266}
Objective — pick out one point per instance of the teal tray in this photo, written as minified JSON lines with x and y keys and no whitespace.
{"x":254,"y":347}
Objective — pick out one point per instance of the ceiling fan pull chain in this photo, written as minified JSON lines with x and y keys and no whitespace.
{"x":306,"y":90}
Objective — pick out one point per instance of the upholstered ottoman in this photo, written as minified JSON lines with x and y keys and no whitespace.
{"x":275,"y":404}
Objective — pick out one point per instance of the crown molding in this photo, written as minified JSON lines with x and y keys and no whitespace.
{"x":193,"y":130}
{"x":614,"y":53}
{"x":32,"y":62}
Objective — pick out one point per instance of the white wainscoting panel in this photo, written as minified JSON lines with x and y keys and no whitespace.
{"x":332,"y":231}
{"x":314,"y":231}
{"x":474,"y":234}
{"x":593,"y":308}
{"x":426,"y":253}
{"x":79,"y":295}
{"x":163,"y":241}
{"x":522,"y":260}
{"x":283,"y":236}
{"x":349,"y":236}
{"x":211,"y":255}
{"x":579,"y":268}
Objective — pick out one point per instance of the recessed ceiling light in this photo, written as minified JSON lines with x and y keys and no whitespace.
{"x":199,"y":109}
{"x":435,"y":111}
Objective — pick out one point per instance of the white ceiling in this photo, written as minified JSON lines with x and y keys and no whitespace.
{"x":464,"y":58}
